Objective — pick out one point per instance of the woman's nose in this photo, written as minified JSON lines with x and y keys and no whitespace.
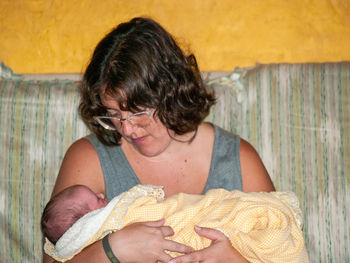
{"x":128,"y":128}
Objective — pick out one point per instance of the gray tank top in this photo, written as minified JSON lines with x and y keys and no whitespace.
{"x":225,"y":169}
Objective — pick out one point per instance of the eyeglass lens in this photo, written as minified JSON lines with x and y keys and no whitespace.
{"x":139,"y":119}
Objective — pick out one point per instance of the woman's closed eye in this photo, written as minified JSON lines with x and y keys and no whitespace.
{"x":114,"y":113}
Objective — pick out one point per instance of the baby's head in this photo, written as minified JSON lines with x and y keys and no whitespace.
{"x":66,"y":208}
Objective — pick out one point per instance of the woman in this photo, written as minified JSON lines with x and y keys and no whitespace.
{"x":145,"y":102}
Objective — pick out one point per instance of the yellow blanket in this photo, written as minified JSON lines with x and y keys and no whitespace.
{"x":263,"y":227}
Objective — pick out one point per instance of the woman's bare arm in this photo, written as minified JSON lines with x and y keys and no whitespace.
{"x":255,"y":177}
{"x":81,"y":165}
{"x":93,"y":253}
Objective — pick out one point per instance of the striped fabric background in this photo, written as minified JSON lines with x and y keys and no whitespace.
{"x":297,"y":116}
{"x":38,"y":122}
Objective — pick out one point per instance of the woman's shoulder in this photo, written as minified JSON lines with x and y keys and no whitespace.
{"x":80,"y":165}
{"x":81,"y":150}
{"x":255,"y":177}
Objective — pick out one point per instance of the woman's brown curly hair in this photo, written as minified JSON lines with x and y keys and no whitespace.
{"x":140,"y":65}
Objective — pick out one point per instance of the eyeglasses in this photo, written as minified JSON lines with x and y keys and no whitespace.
{"x":140,"y":119}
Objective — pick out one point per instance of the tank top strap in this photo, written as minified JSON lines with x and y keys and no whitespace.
{"x":118,"y":174}
{"x":225,"y":168}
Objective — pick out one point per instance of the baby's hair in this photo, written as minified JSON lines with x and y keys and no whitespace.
{"x":60,"y":214}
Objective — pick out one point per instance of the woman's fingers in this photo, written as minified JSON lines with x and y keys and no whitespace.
{"x":174,"y":247}
{"x":212,"y":234}
{"x":197,"y":256}
{"x":157,"y":223}
{"x":164,"y":257}
{"x":177,"y":247}
{"x":220,"y":250}
{"x":167,"y":231}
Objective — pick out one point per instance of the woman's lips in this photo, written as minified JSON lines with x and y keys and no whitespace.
{"x":139,"y":140}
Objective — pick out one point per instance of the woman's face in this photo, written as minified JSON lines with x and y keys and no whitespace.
{"x":150,"y":140}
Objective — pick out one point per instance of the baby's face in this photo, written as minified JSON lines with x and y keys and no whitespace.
{"x":94,"y":201}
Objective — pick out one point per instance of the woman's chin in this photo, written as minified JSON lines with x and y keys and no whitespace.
{"x":147,"y":152}
{"x":153,"y":153}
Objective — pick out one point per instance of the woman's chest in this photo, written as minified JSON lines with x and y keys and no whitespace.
{"x":188,"y":174}
{"x":181,"y":167}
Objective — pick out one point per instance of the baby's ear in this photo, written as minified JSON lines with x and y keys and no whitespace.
{"x":100,"y":195}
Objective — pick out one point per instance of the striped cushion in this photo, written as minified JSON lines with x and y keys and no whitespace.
{"x":38,"y":122}
{"x":297,"y":116}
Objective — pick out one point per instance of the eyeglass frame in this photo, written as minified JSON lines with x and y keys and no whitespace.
{"x":121,"y":120}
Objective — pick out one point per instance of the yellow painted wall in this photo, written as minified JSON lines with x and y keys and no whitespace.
{"x":48,"y":36}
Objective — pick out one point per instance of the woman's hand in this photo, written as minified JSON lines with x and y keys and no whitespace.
{"x":220,"y":249}
{"x":145,"y":242}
